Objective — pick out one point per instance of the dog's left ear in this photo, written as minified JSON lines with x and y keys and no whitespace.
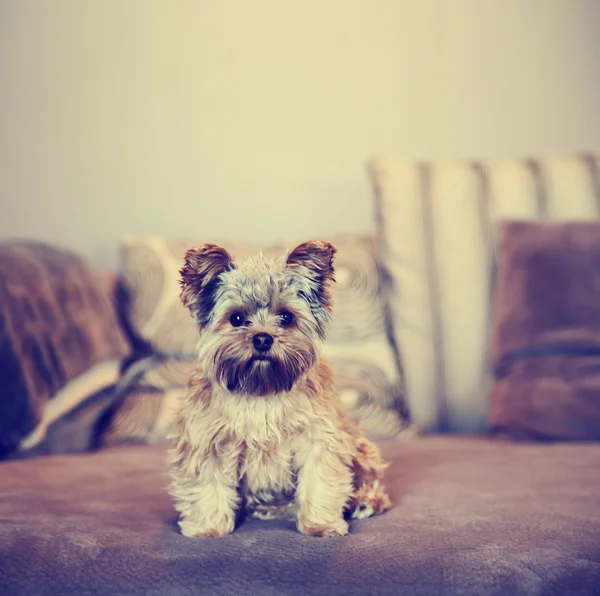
{"x":200,"y":279}
{"x":314,"y":262}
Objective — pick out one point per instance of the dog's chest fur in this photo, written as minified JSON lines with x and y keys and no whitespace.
{"x":270,"y":431}
{"x":268,"y":474}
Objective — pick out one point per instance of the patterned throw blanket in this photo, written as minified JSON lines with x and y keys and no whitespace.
{"x":60,"y":339}
{"x":366,"y":366}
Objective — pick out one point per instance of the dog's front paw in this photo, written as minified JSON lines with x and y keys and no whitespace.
{"x":323,"y":530}
{"x":193,"y":528}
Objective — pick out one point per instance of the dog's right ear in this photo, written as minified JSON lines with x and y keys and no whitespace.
{"x":200,"y":279}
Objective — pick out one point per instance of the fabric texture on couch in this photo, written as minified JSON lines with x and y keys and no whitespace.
{"x":438,"y":228}
{"x":546,"y":332}
{"x":470,"y":516}
{"x":365,"y":364}
{"x":60,"y":339}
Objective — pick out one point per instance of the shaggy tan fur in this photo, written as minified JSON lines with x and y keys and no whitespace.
{"x":262,"y":431}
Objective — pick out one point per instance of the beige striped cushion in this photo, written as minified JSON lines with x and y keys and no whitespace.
{"x":438,"y":224}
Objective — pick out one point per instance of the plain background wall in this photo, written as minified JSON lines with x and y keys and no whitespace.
{"x":219,"y":119}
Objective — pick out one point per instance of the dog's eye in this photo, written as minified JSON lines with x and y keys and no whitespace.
{"x":237,"y":319}
{"x":286,"y":318}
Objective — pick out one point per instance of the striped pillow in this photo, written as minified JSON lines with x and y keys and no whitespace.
{"x":437,"y":224}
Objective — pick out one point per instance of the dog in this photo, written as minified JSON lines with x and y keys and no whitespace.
{"x":261,"y":430}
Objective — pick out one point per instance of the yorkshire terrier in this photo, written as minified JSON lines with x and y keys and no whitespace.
{"x":261,"y":430}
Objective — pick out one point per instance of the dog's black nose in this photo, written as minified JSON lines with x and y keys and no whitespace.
{"x":262,"y":342}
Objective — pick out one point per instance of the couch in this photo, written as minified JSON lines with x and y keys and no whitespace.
{"x":470,"y":516}
{"x":487,"y":500}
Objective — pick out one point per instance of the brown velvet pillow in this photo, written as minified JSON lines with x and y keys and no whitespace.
{"x":546,"y":337}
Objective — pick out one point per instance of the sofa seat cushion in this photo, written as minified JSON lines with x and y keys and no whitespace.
{"x":471,"y":516}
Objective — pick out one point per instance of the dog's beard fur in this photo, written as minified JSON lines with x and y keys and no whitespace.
{"x":257,"y":375}
{"x":231,"y":360}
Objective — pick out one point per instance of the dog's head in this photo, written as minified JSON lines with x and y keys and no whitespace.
{"x":261,"y":321}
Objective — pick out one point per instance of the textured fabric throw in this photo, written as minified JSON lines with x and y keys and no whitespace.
{"x":357,"y":349}
{"x":437,"y":224}
{"x":60,"y":340}
{"x":546,"y":338}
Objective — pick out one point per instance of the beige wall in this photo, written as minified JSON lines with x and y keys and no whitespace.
{"x":252,"y":120}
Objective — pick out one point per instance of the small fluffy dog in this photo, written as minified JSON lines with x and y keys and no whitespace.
{"x":261,"y":429}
